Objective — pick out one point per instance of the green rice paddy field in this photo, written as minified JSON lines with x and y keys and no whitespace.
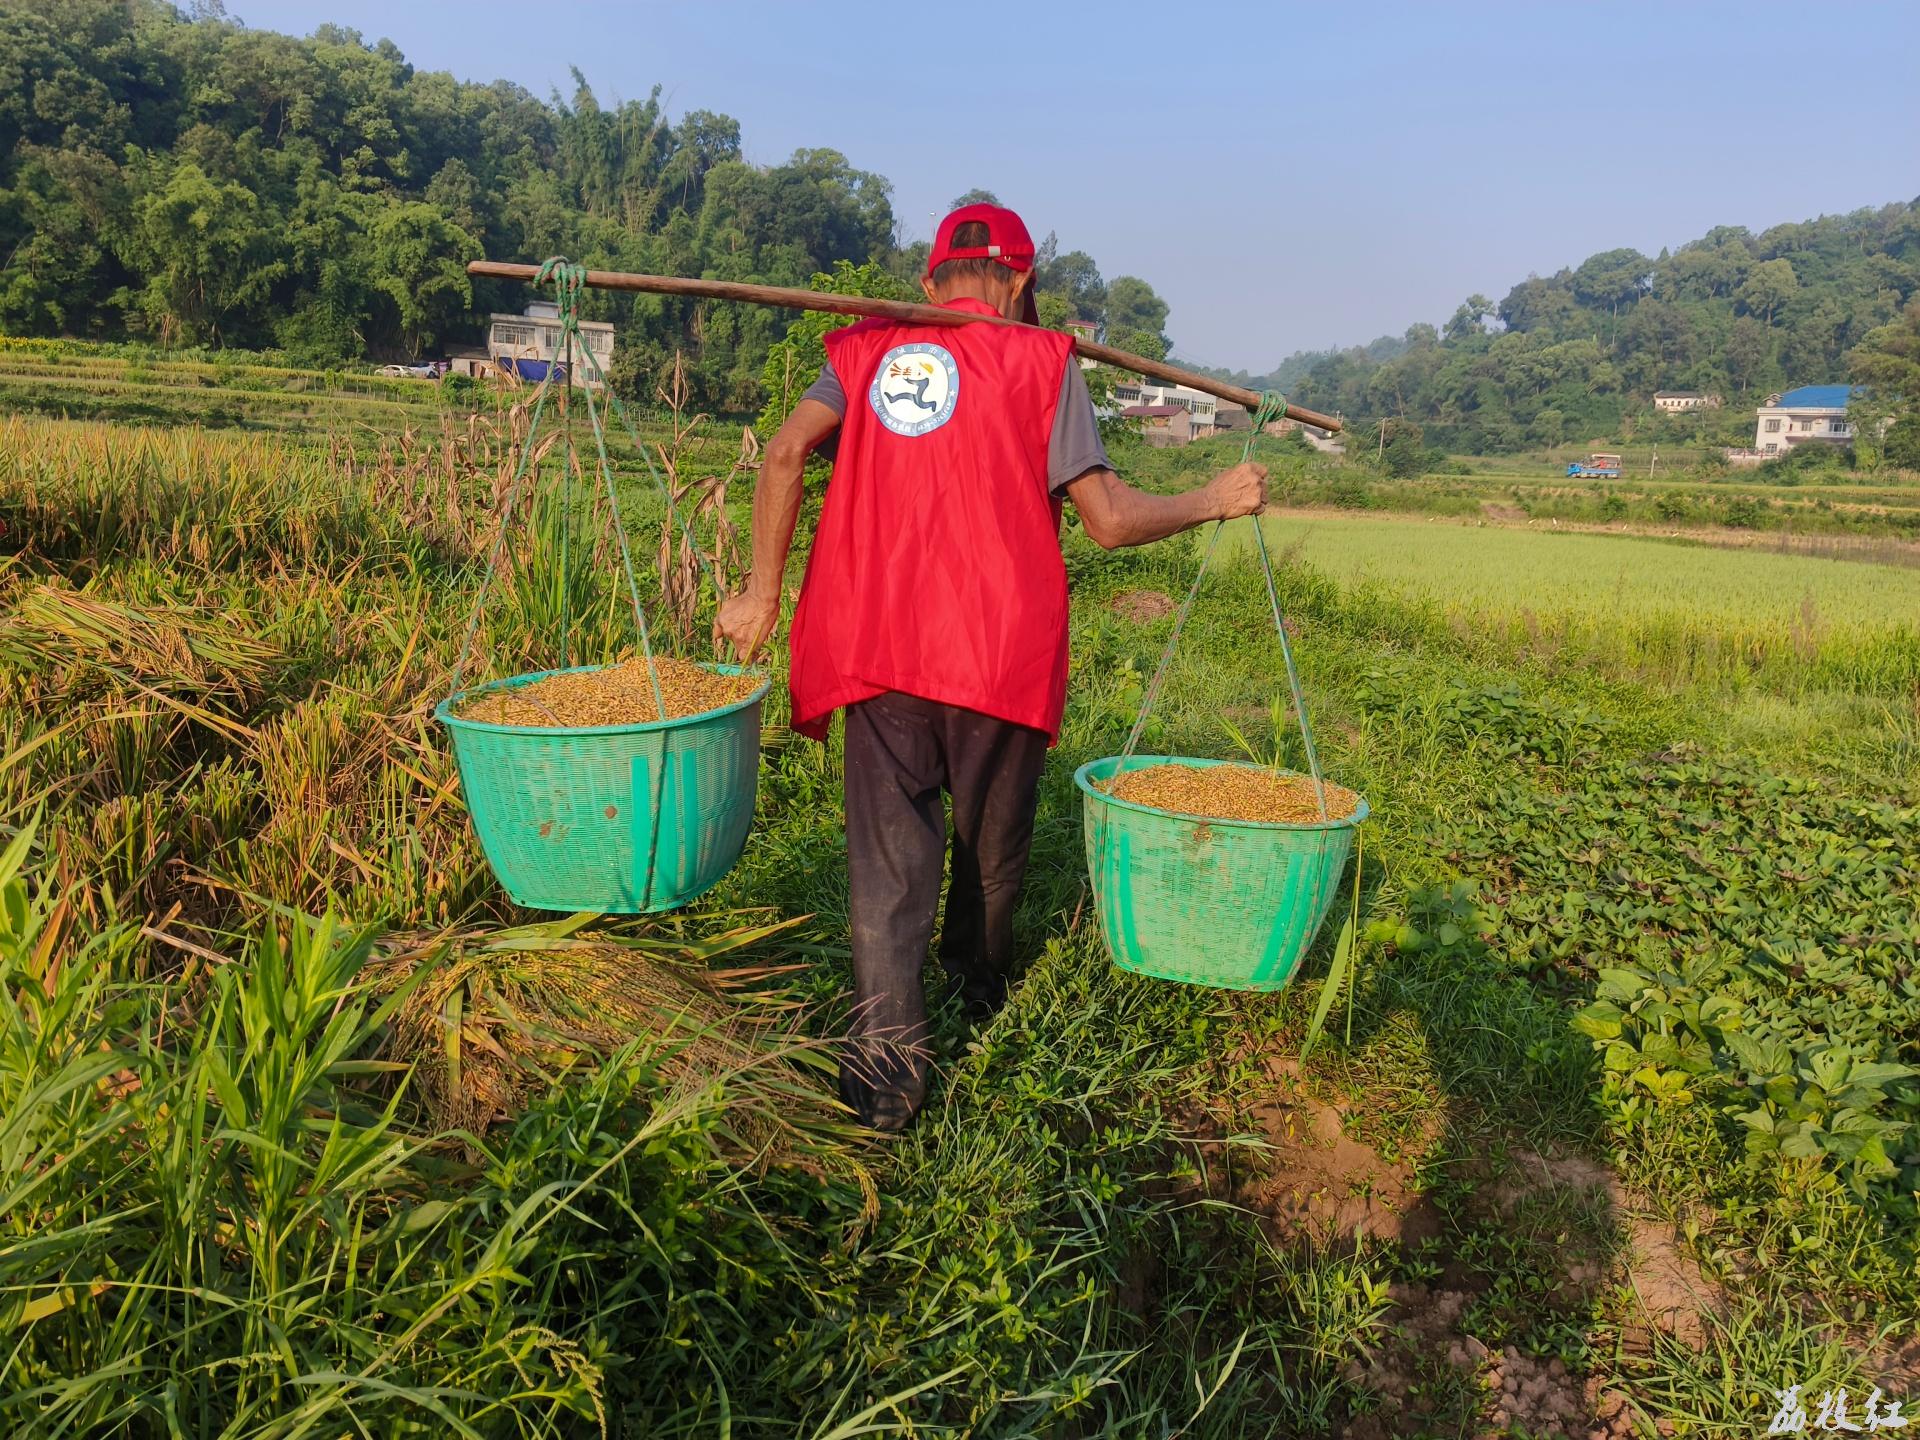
{"x":1501,"y":569}
{"x":1663,"y":609}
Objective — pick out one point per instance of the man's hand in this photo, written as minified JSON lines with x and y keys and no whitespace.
{"x":1239,"y":491}
{"x":745,"y":621}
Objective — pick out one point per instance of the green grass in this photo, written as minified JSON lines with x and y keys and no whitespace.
{"x":255,"y":1185}
{"x":1501,"y":570}
{"x":1640,"y":608}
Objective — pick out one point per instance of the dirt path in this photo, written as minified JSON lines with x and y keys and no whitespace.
{"x":1867,"y":549}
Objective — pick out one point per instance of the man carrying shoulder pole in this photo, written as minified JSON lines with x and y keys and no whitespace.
{"x":934,"y":613}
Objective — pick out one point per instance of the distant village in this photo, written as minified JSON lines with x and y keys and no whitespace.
{"x":527,"y":347}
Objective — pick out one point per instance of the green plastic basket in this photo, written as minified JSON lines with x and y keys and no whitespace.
{"x":1228,"y":903}
{"x":621,"y":819}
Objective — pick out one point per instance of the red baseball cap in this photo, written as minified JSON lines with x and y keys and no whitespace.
{"x":1007,"y":242}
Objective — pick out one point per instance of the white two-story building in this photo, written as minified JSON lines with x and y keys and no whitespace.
{"x":527,"y":345}
{"x":1812,"y":412}
{"x":1199,"y":405}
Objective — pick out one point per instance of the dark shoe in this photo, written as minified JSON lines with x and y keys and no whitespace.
{"x":979,"y":998}
{"x":979,"y":1011}
{"x":884,"y":1111}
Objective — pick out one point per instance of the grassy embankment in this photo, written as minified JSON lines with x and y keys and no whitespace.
{"x":1615,"y":1135}
{"x":1806,"y":504}
{"x":217,"y":390}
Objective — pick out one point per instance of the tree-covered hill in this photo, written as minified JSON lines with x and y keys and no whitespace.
{"x":1580,"y":353}
{"x":190,"y":180}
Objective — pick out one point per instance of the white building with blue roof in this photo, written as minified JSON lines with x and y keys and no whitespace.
{"x":1812,"y":412}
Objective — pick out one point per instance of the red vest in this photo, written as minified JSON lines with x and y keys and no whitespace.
{"x":936,"y":568}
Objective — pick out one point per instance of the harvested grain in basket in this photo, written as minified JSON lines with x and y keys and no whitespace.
{"x":1232,"y":792}
{"x":616,"y":695}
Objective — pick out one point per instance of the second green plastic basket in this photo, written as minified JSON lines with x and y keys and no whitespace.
{"x":1228,"y":903}
{"x":621,"y":819}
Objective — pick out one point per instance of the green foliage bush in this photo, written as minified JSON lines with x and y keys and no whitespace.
{"x":795,"y":360}
{"x":1348,"y":492}
{"x":1751,"y":933}
{"x":1903,"y":443}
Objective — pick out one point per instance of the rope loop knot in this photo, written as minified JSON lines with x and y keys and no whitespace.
{"x":1273,"y":405}
{"x":569,"y":280}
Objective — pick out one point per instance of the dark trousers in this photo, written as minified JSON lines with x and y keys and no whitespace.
{"x":902,"y":752}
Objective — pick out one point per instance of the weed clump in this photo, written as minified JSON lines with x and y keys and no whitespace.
{"x":1233,"y":792}
{"x":620,"y":694}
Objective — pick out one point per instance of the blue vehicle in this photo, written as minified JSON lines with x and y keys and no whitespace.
{"x":1597,"y":467}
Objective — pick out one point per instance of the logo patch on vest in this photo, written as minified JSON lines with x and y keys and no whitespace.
{"x":914,"y":388}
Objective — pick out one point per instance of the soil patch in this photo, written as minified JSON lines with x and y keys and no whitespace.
{"x":1428,"y":1358}
{"x":1324,"y":1188}
{"x":1673,"y":1292}
{"x":1141,"y":606}
{"x":616,"y":695}
{"x":1232,"y":792}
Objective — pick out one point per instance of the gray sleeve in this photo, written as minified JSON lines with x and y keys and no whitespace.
{"x":828,"y":391}
{"x":1075,"y":447}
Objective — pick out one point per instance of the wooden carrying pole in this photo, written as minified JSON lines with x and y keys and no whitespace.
{"x":901,"y":310}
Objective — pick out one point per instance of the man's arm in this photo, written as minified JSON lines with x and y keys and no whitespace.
{"x":748,"y":617}
{"x":1114,"y":514}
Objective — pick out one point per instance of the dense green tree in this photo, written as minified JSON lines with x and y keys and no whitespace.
{"x":1746,"y":354}
{"x":1888,"y":358}
{"x":210,"y":253}
{"x":1470,"y":318}
{"x":1075,"y":278}
{"x":973,"y":197}
{"x":1887,"y":415}
{"x":1769,"y":285}
{"x":1054,"y":310}
{"x":1397,"y":444}
{"x":185,"y":177}
{"x":795,"y":359}
{"x":420,"y":266}
{"x":1132,"y":306}
{"x":1902,"y":447}
{"x":1149,"y":343}
{"x":57,"y":222}
{"x":1612,"y":279}
{"x":1536,"y":304}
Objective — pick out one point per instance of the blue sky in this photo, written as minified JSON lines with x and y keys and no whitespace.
{"x":1287,"y":177}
